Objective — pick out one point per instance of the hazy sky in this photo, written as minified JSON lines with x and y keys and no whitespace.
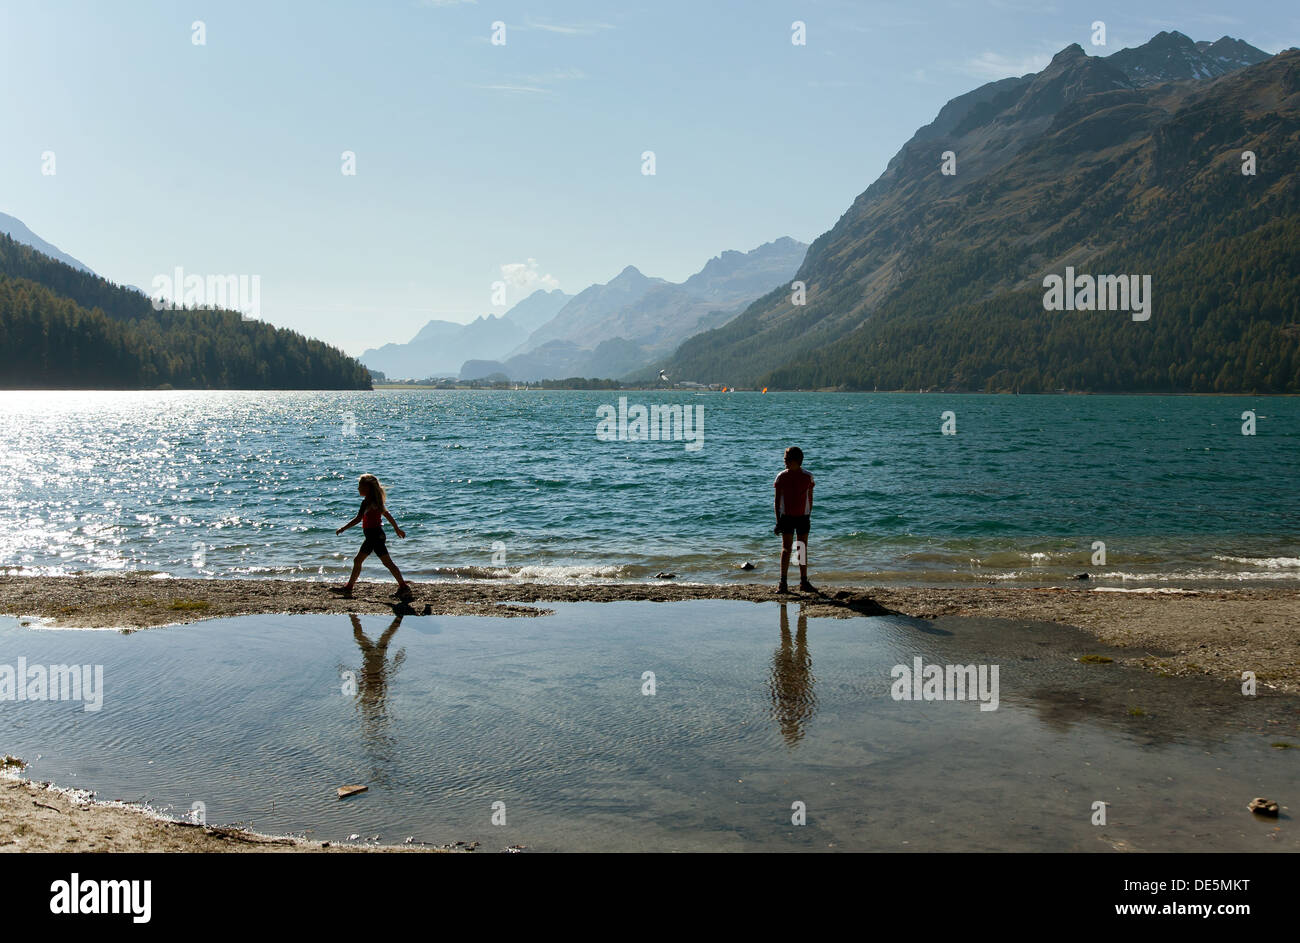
{"x":226,"y":158}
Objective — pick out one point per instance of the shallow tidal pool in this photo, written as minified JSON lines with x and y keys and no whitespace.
{"x":551,"y":733}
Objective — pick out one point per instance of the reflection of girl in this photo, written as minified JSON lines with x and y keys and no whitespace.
{"x":372,"y":684}
{"x":373,"y":508}
{"x":372,"y":692}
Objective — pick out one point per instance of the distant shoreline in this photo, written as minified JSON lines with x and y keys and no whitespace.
{"x":666,"y":389}
{"x":619,"y":389}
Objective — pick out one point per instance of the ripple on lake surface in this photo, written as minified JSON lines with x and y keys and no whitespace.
{"x":516,"y":485}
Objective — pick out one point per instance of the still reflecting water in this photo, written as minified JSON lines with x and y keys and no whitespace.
{"x":755,"y":708}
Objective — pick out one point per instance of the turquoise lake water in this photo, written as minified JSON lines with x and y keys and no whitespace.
{"x":517,"y":485}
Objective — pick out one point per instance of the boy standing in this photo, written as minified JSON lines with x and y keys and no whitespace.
{"x":794,"y":494}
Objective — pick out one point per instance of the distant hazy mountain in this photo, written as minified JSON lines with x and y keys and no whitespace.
{"x":538,"y":308}
{"x":613,"y":329}
{"x":590,"y":307}
{"x":18,"y":231}
{"x":1127,"y":164}
{"x":440,"y":347}
{"x":668,"y":314}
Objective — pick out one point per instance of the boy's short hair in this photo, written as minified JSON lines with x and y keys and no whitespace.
{"x":795,"y":453}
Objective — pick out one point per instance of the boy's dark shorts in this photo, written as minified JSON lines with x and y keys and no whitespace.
{"x":795,"y":523}
{"x":375,"y":542}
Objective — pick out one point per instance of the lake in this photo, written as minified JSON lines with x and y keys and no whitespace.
{"x":518,"y":485}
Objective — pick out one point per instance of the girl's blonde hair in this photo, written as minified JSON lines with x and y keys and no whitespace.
{"x":374,"y":489}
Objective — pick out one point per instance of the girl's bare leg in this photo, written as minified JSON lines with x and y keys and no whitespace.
{"x":392,"y":568}
{"x":356,"y":570}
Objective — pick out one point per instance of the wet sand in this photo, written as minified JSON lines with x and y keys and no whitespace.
{"x":1218,"y":634}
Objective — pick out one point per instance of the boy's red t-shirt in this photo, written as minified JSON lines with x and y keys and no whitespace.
{"x":794,"y":487}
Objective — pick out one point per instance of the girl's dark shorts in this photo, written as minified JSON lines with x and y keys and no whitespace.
{"x":375,"y":541}
{"x":796,"y":523}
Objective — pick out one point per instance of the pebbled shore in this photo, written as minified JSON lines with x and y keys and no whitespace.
{"x":40,"y":817}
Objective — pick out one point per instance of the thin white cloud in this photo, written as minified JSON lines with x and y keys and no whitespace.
{"x":1026,"y":6}
{"x":527,"y":89}
{"x":888,"y":20}
{"x":574,"y":29}
{"x":539,"y":84}
{"x":555,"y":75}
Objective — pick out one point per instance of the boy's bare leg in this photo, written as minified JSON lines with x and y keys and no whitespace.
{"x":787,"y":540}
{"x":804,"y":585}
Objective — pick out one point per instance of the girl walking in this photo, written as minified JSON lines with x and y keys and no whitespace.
{"x":374,"y":507}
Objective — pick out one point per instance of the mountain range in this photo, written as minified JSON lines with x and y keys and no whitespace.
{"x":1175,"y":163}
{"x":440,"y":347}
{"x":605,"y":330}
{"x":1130,"y":163}
{"x":628,"y":322}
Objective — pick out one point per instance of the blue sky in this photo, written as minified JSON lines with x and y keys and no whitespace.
{"x":226,"y":158}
